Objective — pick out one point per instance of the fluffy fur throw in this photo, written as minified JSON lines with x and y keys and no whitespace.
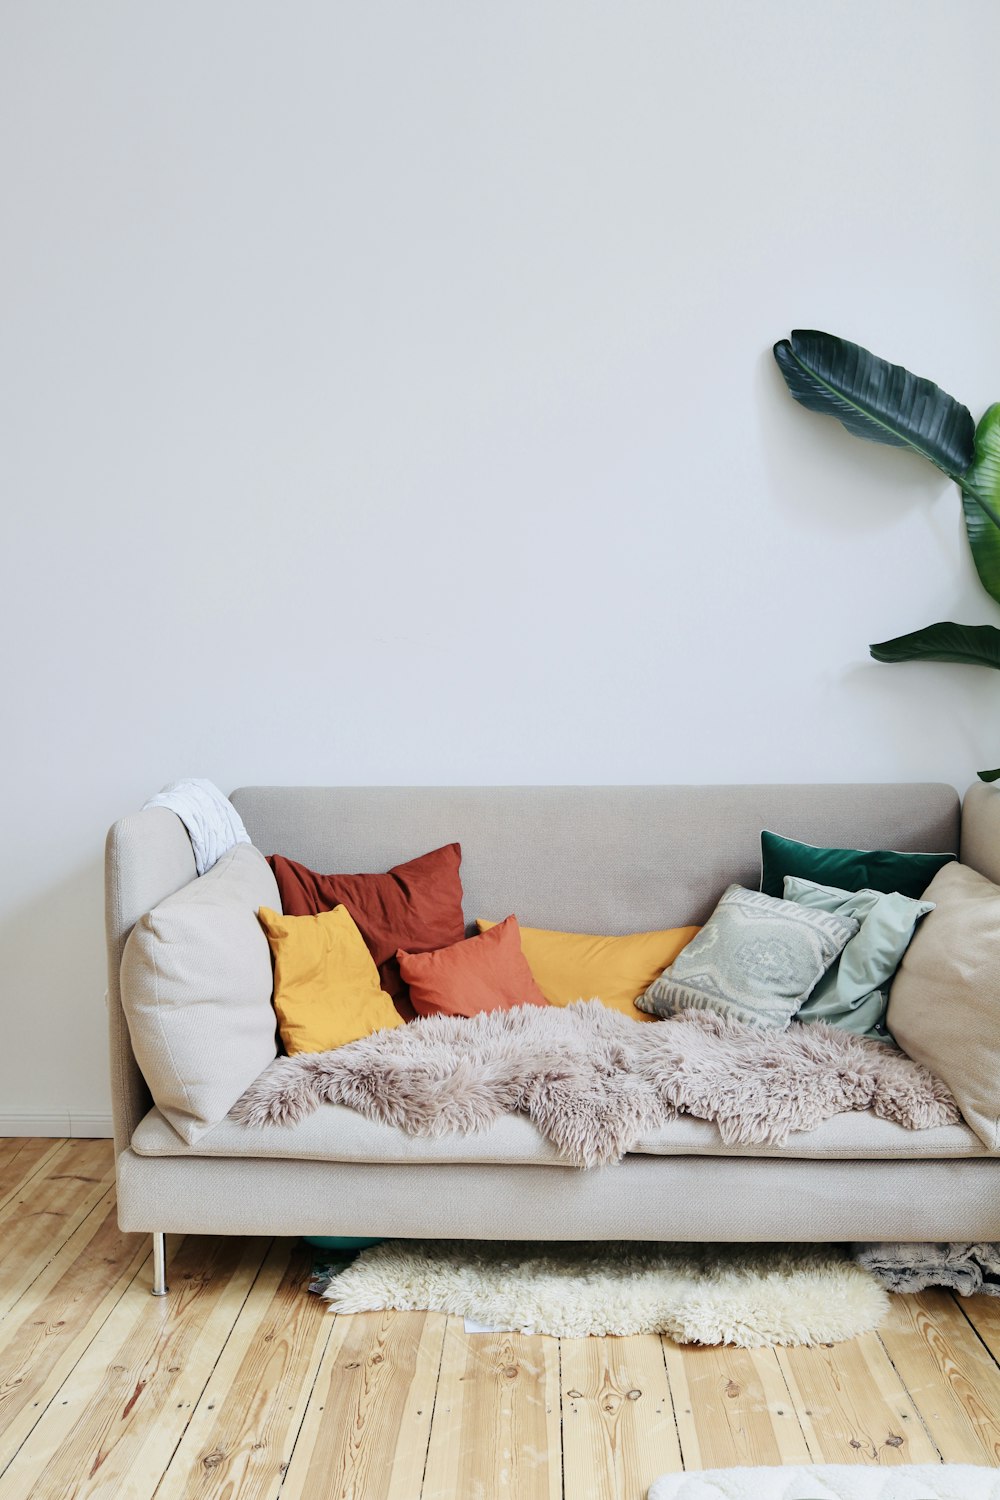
{"x":594,"y":1081}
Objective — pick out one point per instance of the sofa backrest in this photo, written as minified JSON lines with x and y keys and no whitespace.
{"x":591,"y":859}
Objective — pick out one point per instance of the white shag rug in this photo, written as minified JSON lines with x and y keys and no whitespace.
{"x":747,"y":1295}
{"x":833,"y":1482}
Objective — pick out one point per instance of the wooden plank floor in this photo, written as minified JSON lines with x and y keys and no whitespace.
{"x":240,"y":1385}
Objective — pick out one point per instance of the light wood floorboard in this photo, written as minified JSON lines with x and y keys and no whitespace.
{"x":949,"y":1373}
{"x":366,"y":1430}
{"x":46,"y":1211}
{"x":495,"y":1431}
{"x":23,"y":1157}
{"x":240,"y":1386}
{"x":112,"y":1427}
{"x":853,"y":1405}
{"x":732,"y":1408}
{"x":618,"y":1425}
{"x":52,"y":1325}
{"x":242,"y":1432}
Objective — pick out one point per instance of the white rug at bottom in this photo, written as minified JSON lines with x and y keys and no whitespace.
{"x":747,"y":1295}
{"x":833,"y":1482}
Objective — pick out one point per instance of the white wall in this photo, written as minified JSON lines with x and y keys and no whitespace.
{"x":387,"y":397}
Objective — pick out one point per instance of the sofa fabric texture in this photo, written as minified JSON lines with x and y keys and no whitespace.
{"x":334,"y":1132}
{"x":604,"y":859}
{"x":944,"y":1007}
{"x":980,"y":830}
{"x":196,"y":991}
{"x":147,"y":856}
{"x":643,"y":1198}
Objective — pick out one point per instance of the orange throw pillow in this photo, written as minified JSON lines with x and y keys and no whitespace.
{"x":488,"y":972}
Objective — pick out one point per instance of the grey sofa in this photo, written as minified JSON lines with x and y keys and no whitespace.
{"x":609,"y":860}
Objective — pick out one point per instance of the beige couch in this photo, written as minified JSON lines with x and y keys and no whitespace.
{"x":608,"y":860}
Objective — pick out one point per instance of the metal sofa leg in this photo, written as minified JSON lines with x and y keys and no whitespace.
{"x":160,"y":1287}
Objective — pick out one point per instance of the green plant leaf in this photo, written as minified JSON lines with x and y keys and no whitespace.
{"x":970,"y":645}
{"x":981,"y":502}
{"x":876,"y":400}
{"x":988,"y":775}
{"x":984,"y":539}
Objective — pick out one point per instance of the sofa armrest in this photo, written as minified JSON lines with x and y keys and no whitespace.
{"x":147,"y":857}
{"x":981,"y":830}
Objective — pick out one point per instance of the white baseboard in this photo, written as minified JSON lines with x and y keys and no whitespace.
{"x":80,"y":1124}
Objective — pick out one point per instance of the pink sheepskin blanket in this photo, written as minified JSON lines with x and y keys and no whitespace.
{"x":594,"y":1081}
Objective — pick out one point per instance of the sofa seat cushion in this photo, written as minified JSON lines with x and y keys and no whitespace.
{"x":859,"y":1136}
{"x":335,"y":1133}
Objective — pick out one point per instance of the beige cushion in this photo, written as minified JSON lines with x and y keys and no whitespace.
{"x":196,"y":991}
{"x":334,"y":1133}
{"x":944,"y":1006}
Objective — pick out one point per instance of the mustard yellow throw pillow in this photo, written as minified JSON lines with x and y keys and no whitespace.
{"x":570,"y":966}
{"x":326,"y":985}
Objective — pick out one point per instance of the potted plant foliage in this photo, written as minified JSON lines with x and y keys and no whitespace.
{"x":886,"y":404}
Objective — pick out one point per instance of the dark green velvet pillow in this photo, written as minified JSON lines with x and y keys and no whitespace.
{"x":850,"y":869}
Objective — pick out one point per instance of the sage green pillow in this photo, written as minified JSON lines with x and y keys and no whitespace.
{"x":848,"y":869}
{"x":854,"y":993}
{"x":756,"y":960}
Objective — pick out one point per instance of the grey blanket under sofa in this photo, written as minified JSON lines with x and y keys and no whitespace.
{"x":607,"y":860}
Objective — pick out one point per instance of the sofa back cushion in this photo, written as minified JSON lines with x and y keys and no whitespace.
{"x":196,"y":991}
{"x":944,"y":1005}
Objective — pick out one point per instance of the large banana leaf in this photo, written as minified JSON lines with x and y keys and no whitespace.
{"x":984,"y":539}
{"x":876,"y":400}
{"x":971,"y":645}
{"x":981,"y":502}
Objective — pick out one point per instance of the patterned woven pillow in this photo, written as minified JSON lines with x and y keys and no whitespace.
{"x":756,"y":959}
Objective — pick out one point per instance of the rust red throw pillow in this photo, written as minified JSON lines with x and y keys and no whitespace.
{"x":488,"y":972}
{"x":416,"y":906}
